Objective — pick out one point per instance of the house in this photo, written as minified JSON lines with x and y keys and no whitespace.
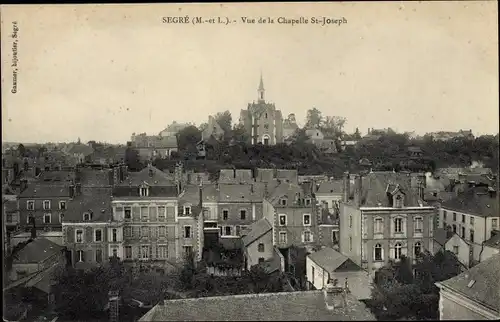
{"x":289,"y":126}
{"x":472,"y":295}
{"x":257,"y":242}
{"x":146,"y":213}
{"x":86,"y":232}
{"x":79,"y":153}
{"x":448,"y":240}
{"x":284,"y":306}
{"x":415,"y":152}
{"x":328,"y":264}
{"x":447,"y":135}
{"x":383,"y":218}
{"x":330,"y":192}
{"x":314,"y":134}
{"x":173,"y":129}
{"x":491,"y":247}
{"x":213,"y":129}
{"x":262,"y":122}
{"x":151,"y":147}
{"x":474,"y":215}
{"x":45,"y":202}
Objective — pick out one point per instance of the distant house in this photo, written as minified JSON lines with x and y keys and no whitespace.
{"x":491,"y":247}
{"x":257,"y":240}
{"x":315,"y":134}
{"x":330,"y":192}
{"x":446,"y":135}
{"x":472,"y":295}
{"x":213,"y":129}
{"x":289,"y":126}
{"x":151,"y":147}
{"x":415,"y":152}
{"x":450,"y":241}
{"x":79,"y":152}
{"x":284,"y":306}
{"x":173,"y":129}
{"x":328,"y":264}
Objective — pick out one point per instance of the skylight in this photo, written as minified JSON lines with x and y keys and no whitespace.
{"x":471,"y":283}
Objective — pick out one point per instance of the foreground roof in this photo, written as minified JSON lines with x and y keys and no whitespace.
{"x":328,"y":258}
{"x":476,"y":201}
{"x":256,"y":230}
{"x":481,"y":283}
{"x":36,"y":251}
{"x":285,"y":306}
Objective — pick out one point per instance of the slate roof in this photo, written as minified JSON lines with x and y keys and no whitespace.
{"x":46,"y":190}
{"x":80,"y":149}
{"x":191,"y":194}
{"x":474,"y":202}
{"x":58,"y":176}
{"x":285,"y":306}
{"x":96,"y":177}
{"x":374,"y":191}
{"x":154,"y":178}
{"x":287,"y":190}
{"x":330,"y":187}
{"x":96,"y":201}
{"x":441,"y":236}
{"x":274,"y":263}
{"x":36,"y":251}
{"x":494,"y":241}
{"x":484,"y":289}
{"x":290,"y":175}
{"x":241,"y":192}
{"x":255,"y":231}
{"x":328,"y":258}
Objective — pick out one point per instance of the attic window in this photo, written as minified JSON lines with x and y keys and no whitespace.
{"x":144,"y":191}
{"x":308,"y":202}
{"x":283,"y":202}
{"x":471,"y":283}
{"x":398,"y":201}
{"x":86,"y":216}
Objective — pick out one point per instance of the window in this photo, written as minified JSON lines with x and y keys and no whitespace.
{"x":260,"y":248}
{"x":307,"y":236}
{"x":29,"y":219}
{"x":162,"y":252}
{"x":238,"y":229}
{"x":282,"y":220}
{"x":313,"y":273}
{"x":454,"y":216}
{"x":86,"y":216}
{"x":378,"y":227}
{"x":266,"y":113}
{"x":61,"y":218}
{"x":308,"y":202}
{"x":30,"y":205}
{"x":225,"y":214}
{"x":419,"y":225}
{"x":115,"y":252}
{"x":471,"y":220}
{"x":144,"y":191}
{"x":417,"y":248}
{"x":261,"y":260}
{"x":455,"y":250}
{"x":243,"y":214}
{"x":46,"y":204}
{"x":127,"y":231}
{"x":463,"y":218}
{"x":187,"y":210}
{"x":144,"y":213}
{"x":334,"y":237}
{"x":144,"y":231}
{"x":114,"y":235}
{"x":98,"y":235}
{"x":98,"y":255}
{"x":161,"y":213}
{"x":378,"y":252}
{"x":463,"y":232}
{"x":128,"y":252}
{"x":188,"y":250}
{"x":282,"y":237}
{"x":144,"y":251}
{"x":397,"y":251}
{"x":494,"y":223}
{"x":444,"y":214}
{"x":47,"y":218}
{"x":187,"y":231}
{"x":472,"y":235}
{"x":307,"y":220}
{"x":62,"y":205}
{"x":350,"y":243}
{"x":162,"y":231}
{"x":228,"y":231}
{"x":454,"y":228}
{"x":128,"y":213}
{"x":80,"y":255}
{"x":9,"y":218}
{"x":398,"y":225}
{"x":283,"y":202}
{"x":266,"y":126}
{"x":398,"y":202}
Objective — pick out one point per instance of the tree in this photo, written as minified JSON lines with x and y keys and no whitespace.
{"x":187,"y":139}
{"x":333,"y":125}
{"x":203,"y":127}
{"x":240,"y":134}
{"x":21,"y":150}
{"x":225,"y":120}
{"x":314,"y":118}
{"x":132,"y":159}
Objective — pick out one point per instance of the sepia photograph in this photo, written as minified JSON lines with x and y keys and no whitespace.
{"x":333,"y":161}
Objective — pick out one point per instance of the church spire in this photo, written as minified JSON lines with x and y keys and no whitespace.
{"x":261,"y":89}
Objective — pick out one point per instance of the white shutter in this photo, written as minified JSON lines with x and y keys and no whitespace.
{"x":302,"y":236}
{"x":312,"y":237}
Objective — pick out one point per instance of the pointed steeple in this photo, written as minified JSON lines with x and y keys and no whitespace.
{"x":261,"y":89}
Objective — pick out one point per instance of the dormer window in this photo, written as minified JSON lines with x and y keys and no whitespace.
{"x":144,"y":191}
{"x":308,"y":202}
{"x":398,"y":201}
{"x":87,"y":216}
{"x":187,"y":210}
{"x":283,"y":202}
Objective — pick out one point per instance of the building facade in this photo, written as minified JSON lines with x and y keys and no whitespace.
{"x":262,"y":121}
{"x":383,"y":218}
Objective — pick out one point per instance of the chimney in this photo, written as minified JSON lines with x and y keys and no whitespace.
{"x":346,"y":188}
{"x":358,"y":190}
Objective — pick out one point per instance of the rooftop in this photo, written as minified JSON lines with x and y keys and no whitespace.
{"x":480,"y":283}
{"x":36,"y":251}
{"x":494,"y":241}
{"x":476,"y":202}
{"x":285,"y":306}
{"x":96,"y":201}
{"x":329,"y":187}
{"x":150,"y":175}
{"x":46,"y":190}
{"x":256,"y":230}
{"x":328,"y":258}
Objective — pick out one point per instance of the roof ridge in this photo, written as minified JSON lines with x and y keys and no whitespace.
{"x":244,"y":296}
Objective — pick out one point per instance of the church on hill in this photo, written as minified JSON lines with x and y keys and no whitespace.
{"x":262,"y":121}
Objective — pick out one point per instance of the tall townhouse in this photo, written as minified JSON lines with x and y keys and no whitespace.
{"x":86,"y":229}
{"x":239,"y":205}
{"x":474,"y":215}
{"x":291,"y":209}
{"x":146,"y":214}
{"x":383,"y":218}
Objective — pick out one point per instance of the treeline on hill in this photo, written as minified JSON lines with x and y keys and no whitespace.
{"x":387,"y":152}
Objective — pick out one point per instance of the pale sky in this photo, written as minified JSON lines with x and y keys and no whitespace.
{"x":101,"y":72}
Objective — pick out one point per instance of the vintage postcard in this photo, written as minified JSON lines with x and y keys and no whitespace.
{"x":250,"y":161}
